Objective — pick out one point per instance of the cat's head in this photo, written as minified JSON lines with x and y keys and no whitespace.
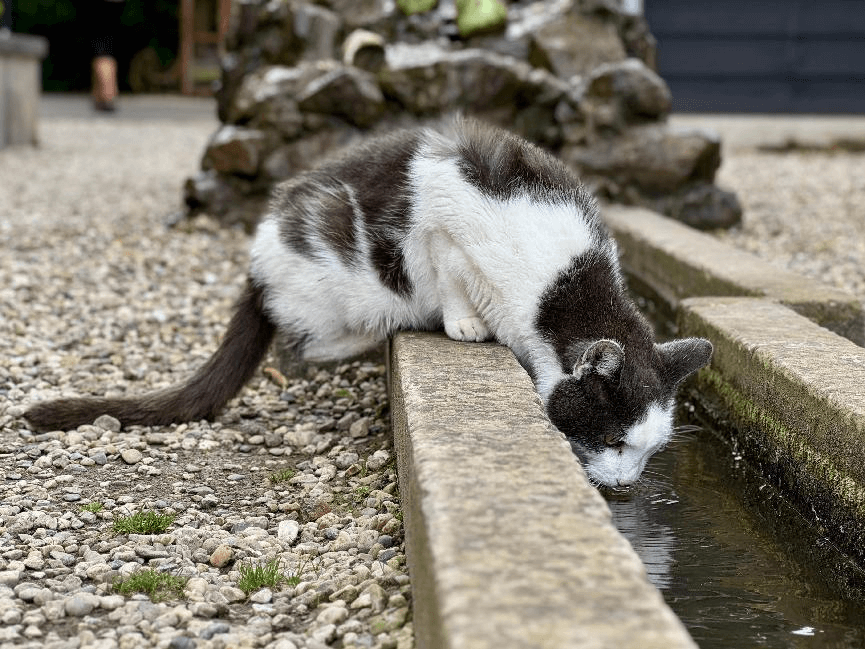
{"x":617,"y":414}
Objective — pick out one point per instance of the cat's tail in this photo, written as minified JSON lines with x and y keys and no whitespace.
{"x":201,"y":397}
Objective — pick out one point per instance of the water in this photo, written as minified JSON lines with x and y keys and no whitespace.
{"x":739,"y":566}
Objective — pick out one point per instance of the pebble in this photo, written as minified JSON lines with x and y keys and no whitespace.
{"x":288,"y":531}
{"x":80,"y":605}
{"x":131,"y":456}
{"x":221,"y":556}
{"x":88,"y":267}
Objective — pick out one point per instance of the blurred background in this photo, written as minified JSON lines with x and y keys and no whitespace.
{"x":787,"y":56}
{"x":160,"y":45}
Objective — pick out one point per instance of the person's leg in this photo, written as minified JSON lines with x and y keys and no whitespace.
{"x":104,"y":82}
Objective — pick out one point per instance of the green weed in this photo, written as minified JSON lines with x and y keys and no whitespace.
{"x":159,"y":586}
{"x":254,"y":577}
{"x":282,"y":476}
{"x":143,"y":523}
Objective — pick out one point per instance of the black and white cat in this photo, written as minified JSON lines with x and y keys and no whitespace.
{"x":470,"y":228}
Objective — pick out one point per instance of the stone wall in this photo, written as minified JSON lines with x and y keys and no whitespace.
{"x":301,"y":79}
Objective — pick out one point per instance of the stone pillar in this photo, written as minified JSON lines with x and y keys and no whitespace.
{"x":20,"y":87}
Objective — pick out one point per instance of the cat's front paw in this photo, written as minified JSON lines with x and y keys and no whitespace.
{"x":471,"y":329}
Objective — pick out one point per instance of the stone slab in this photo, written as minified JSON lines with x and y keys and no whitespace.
{"x":676,"y":262}
{"x":792,"y":395}
{"x":508,"y":544}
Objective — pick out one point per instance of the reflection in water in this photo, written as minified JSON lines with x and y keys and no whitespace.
{"x":732,"y":559}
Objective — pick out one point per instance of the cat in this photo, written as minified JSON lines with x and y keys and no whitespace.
{"x":466,"y":227}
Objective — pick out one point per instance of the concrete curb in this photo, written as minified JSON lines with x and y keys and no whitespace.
{"x":508,"y":544}
{"x":676,"y":262}
{"x":795,"y":396}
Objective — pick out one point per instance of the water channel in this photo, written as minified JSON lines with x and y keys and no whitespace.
{"x":738,"y":565}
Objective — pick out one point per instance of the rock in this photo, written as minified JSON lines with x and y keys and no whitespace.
{"x":333,"y":614}
{"x":316,"y":29}
{"x":364,"y":49}
{"x":359,"y":428}
{"x":627,"y":92}
{"x":346,"y":459}
{"x":377,"y":460}
{"x":107,"y":422}
{"x":80,"y":604}
{"x":575,"y":45}
{"x":269,"y":84}
{"x":346,"y":91}
{"x":235,"y":150}
{"x":426,"y":79}
{"x":221,"y":556}
{"x":703,"y":205}
{"x":131,"y":455}
{"x":652,"y":158}
{"x":288,"y":531}
{"x":261,"y":596}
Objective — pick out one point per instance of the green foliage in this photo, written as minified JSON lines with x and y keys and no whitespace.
{"x":159,"y":586}
{"x":475,"y":16}
{"x":253,"y":577}
{"x":282,"y":476}
{"x":42,"y":12}
{"x":91,"y":507}
{"x":143,"y":523}
{"x":410,"y":7}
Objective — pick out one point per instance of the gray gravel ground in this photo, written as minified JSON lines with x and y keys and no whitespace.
{"x":96,"y":295}
{"x":802,"y":186}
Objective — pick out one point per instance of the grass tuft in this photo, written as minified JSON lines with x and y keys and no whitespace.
{"x":143,"y":523}
{"x":159,"y":586}
{"x":92,"y":507}
{"x":282,"y":476}
{"x":254,"y":577}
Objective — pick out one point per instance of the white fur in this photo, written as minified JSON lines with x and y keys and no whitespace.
{"x":303,"y":293}
{"x":492,"y":259}
{"x":622,"y":466}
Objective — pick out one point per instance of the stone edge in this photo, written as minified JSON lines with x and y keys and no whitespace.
{"x":475,"y":459}
{"x":676,"y":262}
{"x":790,"y":397}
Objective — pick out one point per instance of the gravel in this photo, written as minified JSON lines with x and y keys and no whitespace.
{"x":98,"y":296}
{"x":802,"y":190}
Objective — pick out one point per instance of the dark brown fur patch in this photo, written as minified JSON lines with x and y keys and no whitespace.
{"x":377,"y":173}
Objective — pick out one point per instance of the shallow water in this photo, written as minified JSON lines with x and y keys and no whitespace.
{"x":739,"y":566}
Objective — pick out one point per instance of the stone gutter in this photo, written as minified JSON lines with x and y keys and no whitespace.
{"x":507,"y":542}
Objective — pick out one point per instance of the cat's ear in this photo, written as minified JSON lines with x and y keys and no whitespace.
{"x":604,"y":358}
{"x":681,"y":358}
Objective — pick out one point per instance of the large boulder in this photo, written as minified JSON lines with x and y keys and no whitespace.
{"x":235,"y":150}
{"x":303,"y":77}
{"x":653,"y":158}
{"x":426,"y":79}
{"x":627,"y":92}
{"x":575,"y":45}
{"x":346,"y":91}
